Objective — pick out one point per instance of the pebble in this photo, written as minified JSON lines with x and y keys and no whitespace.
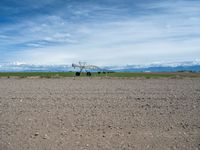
{"x":45,"y":136}
{"x":36,"y":134}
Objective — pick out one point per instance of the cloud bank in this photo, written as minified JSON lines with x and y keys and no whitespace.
{"x":99,"y":32}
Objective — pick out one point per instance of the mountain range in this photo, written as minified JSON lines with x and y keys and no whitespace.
{"x":153,"y":67}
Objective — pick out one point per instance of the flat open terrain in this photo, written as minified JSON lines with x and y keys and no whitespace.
{"x":95,"y":113}
{"x":95,"y":74}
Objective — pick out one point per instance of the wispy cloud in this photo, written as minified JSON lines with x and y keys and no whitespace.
{"x":102,"y":33}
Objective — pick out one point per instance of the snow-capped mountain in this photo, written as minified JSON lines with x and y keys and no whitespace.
{"x":159,"y":67}
{"x":18,"y":67}
{"x":153,"y":67}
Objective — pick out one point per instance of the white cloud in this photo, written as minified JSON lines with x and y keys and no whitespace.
{"x":172,"y":34}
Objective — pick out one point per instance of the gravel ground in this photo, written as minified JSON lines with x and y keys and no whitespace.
{"x":104,"y":114}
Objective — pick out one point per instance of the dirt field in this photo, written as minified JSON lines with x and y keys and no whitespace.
{"x":104,"y":114}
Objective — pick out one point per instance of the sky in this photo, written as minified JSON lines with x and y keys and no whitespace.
{"x":100,"y":32}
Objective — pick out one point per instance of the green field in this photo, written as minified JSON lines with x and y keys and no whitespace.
{"x":116,"y":74}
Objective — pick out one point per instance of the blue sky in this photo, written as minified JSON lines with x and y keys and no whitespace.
{"x":101,"y":32}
